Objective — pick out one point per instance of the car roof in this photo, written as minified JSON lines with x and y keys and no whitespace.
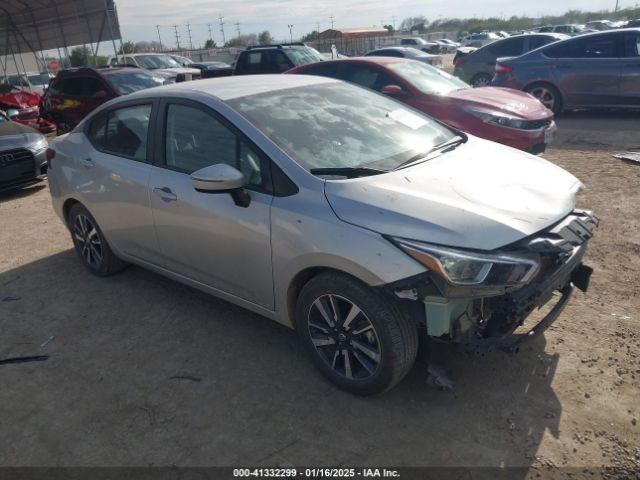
{"x":229,"y":88}
{"x":377,"y":60}
{"x":72,"y":72}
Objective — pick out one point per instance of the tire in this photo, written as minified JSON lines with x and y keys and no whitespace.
{"x":547,"y":94}
{"x":367,"y":354}
{"x":481,"y":80}
{"x":90,"y":243}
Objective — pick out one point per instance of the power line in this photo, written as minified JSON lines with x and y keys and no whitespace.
{"x":222,"y":29}
{"x":159,"y":39}
{"x":190,"y":42}
{"x":175,"y":29}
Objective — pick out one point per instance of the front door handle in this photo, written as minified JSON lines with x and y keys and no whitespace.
{"x":88,"y":163}
{"x":165,"y":193}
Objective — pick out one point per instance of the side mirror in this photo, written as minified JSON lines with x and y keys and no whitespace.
{"x":393,"y":91}
{"x":221,"y":178}
{"x":13,"y":113}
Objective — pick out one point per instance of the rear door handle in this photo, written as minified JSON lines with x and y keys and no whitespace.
{"x":88,"y":163}
{"x":165,"y":193}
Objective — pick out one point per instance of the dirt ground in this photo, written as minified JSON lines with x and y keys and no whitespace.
{"x":144,"y":371}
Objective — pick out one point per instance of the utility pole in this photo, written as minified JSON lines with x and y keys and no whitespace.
{"x":394,"y":22}
{"x":331,"y":18}
{"x":175,"y":29}
{"x":318,"y":31}
{"x":290,"y":33}
{"x":210,"y":34}
{"x":190,"y":42}
{"x":159,"y":39}
{"x":222,"y":29}
{"x":237,"y":24}
{"x":616,"y":9}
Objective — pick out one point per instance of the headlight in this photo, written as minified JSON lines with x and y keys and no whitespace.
{"x":37,"y":144}
{"x":462,"y":268}
{"x":498,"y":119}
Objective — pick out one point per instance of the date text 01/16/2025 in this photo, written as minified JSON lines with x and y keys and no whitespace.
{"x":316,"y":472}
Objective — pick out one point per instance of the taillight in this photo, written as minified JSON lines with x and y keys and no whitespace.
{"x":49,"y":155}
{"x":503,"y":68}
{"x":457,"y":61}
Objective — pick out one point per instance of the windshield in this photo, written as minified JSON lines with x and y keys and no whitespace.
{"x":426,"y":78}
{"x":129,"y":82}
{"x":338,"y":125}
{"x":156,"y":61}
{"x":302,"y":56}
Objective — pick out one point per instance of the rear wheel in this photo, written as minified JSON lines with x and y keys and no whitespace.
{"x":548,"y":95}
{"x":358,"y":337}
{"x":90,"y":244}
{"x":481,"y":80}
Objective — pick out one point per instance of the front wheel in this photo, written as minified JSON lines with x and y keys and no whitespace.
{"x":481,"y":80}
{"x":358,"y":338}
{"x":548,"y":95}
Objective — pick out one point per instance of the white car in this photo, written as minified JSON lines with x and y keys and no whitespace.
{"x":157,"y":62}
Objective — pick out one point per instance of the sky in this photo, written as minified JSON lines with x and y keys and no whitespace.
{"x":138,"y":18}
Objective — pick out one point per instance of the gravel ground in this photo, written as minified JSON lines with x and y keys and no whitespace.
{"x":144,"y":371}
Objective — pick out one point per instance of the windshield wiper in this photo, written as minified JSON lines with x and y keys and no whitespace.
{"x":442,"y":147}
{"x":348,"y":172}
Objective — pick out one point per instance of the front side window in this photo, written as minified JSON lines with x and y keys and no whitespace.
{"x":196,"y":139}
{"x":122,"y":132}
{"x":340,"y":125}
{"x":427,"y":79}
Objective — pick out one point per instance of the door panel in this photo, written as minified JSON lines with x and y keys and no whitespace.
{"x":208,"y":238}
{"x":117,"y":186}
{"x":630,"y":85}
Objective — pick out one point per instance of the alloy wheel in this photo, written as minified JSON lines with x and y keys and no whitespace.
{"x":546,"y":96}
{"x":482,"y":81}
{"x":344,"y":337}
{"x":88,"y":241}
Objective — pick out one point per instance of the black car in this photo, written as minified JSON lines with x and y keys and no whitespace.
{"x":22,"y":155}
{"x":213,"y":69}
{"x":274,"y":58}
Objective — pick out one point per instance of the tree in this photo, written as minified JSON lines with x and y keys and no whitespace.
{"x":127,"y":47}
{"x":142,"y":47}
{"x":265,"y":38}
{"x":80,"y":57}
{"x":389,"y":28}
{"x":209,"y":44}
{"x":310,"y":37}
{"x":243,"y":40}
{"x":419,"y":22}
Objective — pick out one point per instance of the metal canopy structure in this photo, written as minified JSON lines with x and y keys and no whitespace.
{"x":39,"y":25}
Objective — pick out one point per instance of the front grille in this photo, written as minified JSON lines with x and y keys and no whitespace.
{"x":16,"y":167}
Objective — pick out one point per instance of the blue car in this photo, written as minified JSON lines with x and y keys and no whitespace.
{"x":595,"y":70}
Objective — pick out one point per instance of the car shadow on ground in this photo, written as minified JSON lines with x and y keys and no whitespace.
{"x":9,"y":195}
{"x":143,"y":370}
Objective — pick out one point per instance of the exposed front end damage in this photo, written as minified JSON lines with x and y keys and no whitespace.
{"x":481,"y":315}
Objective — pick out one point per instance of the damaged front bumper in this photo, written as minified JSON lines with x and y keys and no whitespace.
{"x":481,"y":318}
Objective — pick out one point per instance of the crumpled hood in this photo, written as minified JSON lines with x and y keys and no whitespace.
{"x":481,"y":195}
{"x":507,"y":100}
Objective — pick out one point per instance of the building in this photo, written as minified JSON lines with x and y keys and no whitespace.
{"x":349,"y":33}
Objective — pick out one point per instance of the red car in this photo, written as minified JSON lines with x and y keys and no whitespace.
{"x":22,"y":107}
{"x":499,"y":114}
{"x":73,"y":93}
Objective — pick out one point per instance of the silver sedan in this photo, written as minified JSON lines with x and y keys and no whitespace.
{"x":326,"y":207}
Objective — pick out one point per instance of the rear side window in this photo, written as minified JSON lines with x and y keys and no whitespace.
{"x":511,"y":47}
{"x":597,"y":46}
{"x":122,"y":132}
